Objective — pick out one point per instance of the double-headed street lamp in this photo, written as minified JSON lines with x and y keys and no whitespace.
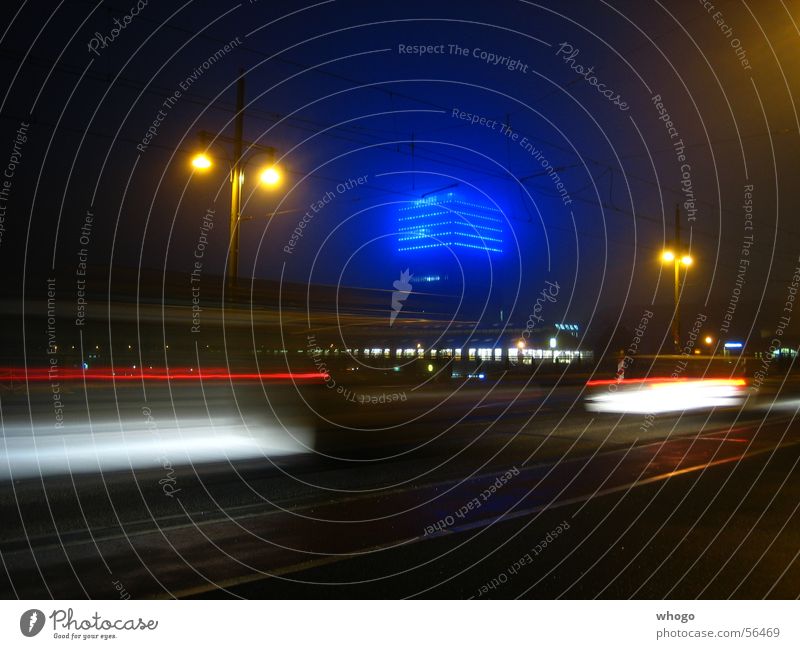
{"x":269,"y":176}
{"x":668,"y":256}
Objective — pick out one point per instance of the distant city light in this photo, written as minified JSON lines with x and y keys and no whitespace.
{"x":553,"y":343}
{"x":733,"y":345}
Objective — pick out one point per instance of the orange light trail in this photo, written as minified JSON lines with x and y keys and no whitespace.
{"x":656,"y":381}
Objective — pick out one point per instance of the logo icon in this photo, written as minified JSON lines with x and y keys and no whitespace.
{"x":403,"y":289}
{"x":31,"y":622}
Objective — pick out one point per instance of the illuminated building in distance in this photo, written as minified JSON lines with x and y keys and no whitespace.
{"x":449,"y":221}
{"x":453,"y":245}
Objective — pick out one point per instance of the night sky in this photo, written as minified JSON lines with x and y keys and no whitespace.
{"x":585,"y":123}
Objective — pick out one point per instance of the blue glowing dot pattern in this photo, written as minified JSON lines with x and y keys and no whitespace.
{"x":448,"y":221}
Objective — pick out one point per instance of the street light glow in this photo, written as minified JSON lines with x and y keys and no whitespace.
{"x":687,"y":260}
{"x":270,"y":176}
{"x":709,"y":340}
{"x":201,"y":161}
{"x":668,"y":255}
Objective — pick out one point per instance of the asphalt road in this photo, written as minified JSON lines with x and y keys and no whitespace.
{"x":684,"y":506}
{"x":730,"y":530}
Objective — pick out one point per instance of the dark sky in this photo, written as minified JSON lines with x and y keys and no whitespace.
{"x":330,"y":89}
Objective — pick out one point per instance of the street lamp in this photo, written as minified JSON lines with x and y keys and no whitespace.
{"x":668,"y":256}
{"x":201,"y":162}
{"x":269,"y":176}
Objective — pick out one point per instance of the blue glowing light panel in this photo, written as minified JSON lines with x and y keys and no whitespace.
{"x":448,"y":221}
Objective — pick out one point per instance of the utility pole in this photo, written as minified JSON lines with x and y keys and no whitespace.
{"x":236,"y":183}
{"x":677,"y":258}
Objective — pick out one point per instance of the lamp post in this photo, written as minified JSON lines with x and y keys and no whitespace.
{"x":269,"y":176}
{"x":668,"y":256}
